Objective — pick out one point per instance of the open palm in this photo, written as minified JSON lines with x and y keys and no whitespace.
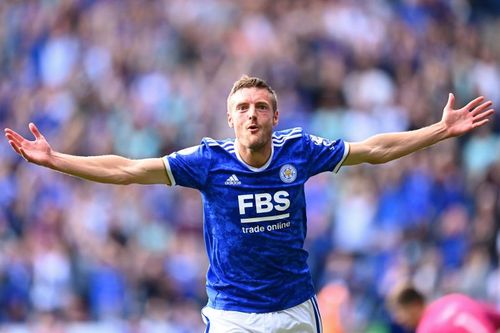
{"x":37,"y":151}
{"x":461,"y":121}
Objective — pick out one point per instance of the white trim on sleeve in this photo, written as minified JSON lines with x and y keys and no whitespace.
{"x":346,"y":152}
{"x":169,"y":171}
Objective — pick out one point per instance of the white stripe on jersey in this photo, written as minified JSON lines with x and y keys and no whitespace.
{"x":169,"y":171}
{"x":281,"y":143}
{"x":265,"y":218}
{"x":210,"y":140}
{"x":346,"y":152}
{"x":283,"y":137}
{"x":291,"y":131}
{"x":229,"y":145}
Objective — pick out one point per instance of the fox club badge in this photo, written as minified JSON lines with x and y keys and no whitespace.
{"x":288,"y":173}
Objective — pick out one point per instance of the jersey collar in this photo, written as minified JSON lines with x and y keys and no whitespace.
{"x":254,"y":169}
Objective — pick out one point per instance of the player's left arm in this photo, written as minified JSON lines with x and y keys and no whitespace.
{"x":386,"y":147}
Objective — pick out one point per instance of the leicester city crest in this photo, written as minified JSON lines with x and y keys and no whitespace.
{"x":288,"y":173}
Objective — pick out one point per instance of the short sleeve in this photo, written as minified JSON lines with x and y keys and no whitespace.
{"x":323,"y":154}
{"x":188,"y":167}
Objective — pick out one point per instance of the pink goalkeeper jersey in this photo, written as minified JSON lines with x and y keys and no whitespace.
{"x":459,"y":314}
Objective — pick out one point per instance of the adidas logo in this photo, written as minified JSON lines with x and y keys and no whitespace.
{"x":233,"y":180}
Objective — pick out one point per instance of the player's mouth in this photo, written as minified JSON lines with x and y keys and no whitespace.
{"x":253,"y":128}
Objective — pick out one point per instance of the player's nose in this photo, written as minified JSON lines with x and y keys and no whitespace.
{"x":252,"y":112}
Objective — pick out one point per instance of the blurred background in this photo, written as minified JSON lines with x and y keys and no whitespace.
{"x":146,"y":78}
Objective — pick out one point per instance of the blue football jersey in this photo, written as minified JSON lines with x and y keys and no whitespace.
{"x":255,"y":218}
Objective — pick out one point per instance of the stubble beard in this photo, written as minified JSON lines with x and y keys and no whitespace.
{"x":256,"y":144}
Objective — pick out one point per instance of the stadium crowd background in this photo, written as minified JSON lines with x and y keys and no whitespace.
{"x":146,"y":78}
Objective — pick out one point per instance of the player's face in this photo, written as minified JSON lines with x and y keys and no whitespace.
{"x":251,"y":115}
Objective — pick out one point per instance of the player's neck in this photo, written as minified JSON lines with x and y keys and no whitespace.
{"x":254,"y":157}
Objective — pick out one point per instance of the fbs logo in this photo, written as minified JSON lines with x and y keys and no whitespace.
{"x":263,"y":203}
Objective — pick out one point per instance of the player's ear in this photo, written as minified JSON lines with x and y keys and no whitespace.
{"x":228,"y":112}
{"x":275,"y":117}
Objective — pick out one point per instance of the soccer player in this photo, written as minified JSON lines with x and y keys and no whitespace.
{"x":252,"y":189}
{"x":454,"y":313}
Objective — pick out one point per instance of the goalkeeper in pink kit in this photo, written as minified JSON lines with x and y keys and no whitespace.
{"x":454,"y":313}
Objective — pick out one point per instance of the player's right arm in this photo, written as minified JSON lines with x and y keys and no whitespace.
{"x":111,"y":169}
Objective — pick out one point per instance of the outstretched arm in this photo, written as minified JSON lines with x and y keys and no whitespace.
{"x":110,"y":169}
{"x":386,"y":147}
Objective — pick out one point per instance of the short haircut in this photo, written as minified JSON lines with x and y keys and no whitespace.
{"x":254,"y":82}
{"x":404,"y":296}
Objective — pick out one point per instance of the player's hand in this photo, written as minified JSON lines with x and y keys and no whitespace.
{"x":461,"y":121}
{"x":37,"y":151}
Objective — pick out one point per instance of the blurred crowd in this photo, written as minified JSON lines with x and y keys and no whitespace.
{"x":146,"y":78}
